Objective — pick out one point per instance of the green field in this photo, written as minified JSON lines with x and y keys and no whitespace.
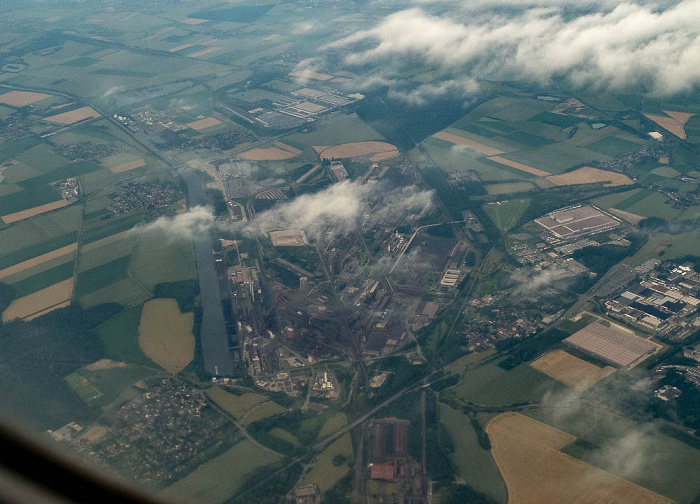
{"x":491,"y":385}
{"x":324,"y":472}
{"x":556,"y":158}
{"x":120,"y":338}
{"x":101,"y":276}
{"x":43,"y":280}
{"x":333,"y":424}
{"x":152,"y":263}
{"x":85,"y":390}
{"x":235,"y":405}
{"x":338,"y":130}
{"x":265,"y":410}
{"x":667,"y":246}
{"x":506,"y":214}
{"x":114,"y":381}
{"x":509,"y":188}
{"x":473,"y":463}
{"x":219,"y":479}
{"x":285,"y":436}
{"x":614,"y":146}
{"x":636,"y":452}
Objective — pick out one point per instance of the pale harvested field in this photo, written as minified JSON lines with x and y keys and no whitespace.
{"x":124,"y":167}
{"x":73,"y":116}
{"x":64,"y":304}
{"x":193,"y":21}
{"x":589,"y":175}
{"x":536,"y":472}
{"x":93,"y":433}
{"x":105,"y":364}
{"x":357,"y":149}
{"x":180,"y":48}
{"x":205,"y":123}
{"x":204,"y":52}
{"x":160,"y":32}
{"x":675,"y":123}
{"x":40,"y":302}
{"x":469,"y":144}
{"x":31,"y":212}
{"x":519,"y":166}
{"x":570,"y":370}
{"x":630,"y":217}
{"x":68,"y":249}
{"x":301,"y":74}
{"x":165,"y":334}
{"x":280,"y":152}
{"x":22,"y":98}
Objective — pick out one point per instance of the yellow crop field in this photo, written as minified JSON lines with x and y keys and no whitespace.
{"x":279,"y":152}
{"x":675,"y":122}
{"x":128,"y":166}
{"x":68,"y":249}
{"x":73,"y":116}
{"x":570,"y":370}
{"x":378,"y":150}
{"x":205,"y":123}
{"x":519,"y":166}
{"x":22,"y":98}
{"x":630,"y":217}
{"x":165,"y":334}
{"x":536,"y":472}
{"x":589,"y":175}
{"x":31,"y":212}
{"x":40,"y":302}
{"x":236,"y":405}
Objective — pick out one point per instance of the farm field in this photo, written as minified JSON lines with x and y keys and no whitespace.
{"x":236,"y":405}
{"x":152,"y":263}
{"x":509,"y":188}
{"x":40,"y":302}
{"x":278,"y":152}
{"x":120,"y":337}
{"x":219,"y":479}
{"x":528,"y":455}
{"x":658,"y":462}
{"x":474,"y":464}
{"x":377,"y":151}
{"x":263,"y":411}
{"x":335,"y":131}
{"x":165,"y":334}
{"x":570,"y":370}
{"x":672,"y":246}
{"x":22,"y":98}
{"x":32,"y":212}
{"x":36,"y":261}
{"x":324,"y":472}
{"x":333,"y":424}
{"x":506,"y":214}
{"x":73,"y":116}
{"x":588,"y":175}
{"x":491,"y":385}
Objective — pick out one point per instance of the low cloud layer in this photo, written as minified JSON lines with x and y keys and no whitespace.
{"x":336,"y":210}
{"x":186,"y":226}
{"x":654,"y":46}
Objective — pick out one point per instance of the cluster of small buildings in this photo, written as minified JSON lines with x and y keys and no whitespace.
{"x":163,"y":434}
{"x":666,"y":307}
{"x":152,"y":196}
{"x":90,"y":151}
{"x":69,"y":189}
{"x":325,"y":385}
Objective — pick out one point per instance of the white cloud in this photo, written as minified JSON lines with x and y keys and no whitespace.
{"x":628,"y":45}
{"x":196,"y":222}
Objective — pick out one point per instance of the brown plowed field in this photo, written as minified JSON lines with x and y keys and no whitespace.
{"x":536,"y":472}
